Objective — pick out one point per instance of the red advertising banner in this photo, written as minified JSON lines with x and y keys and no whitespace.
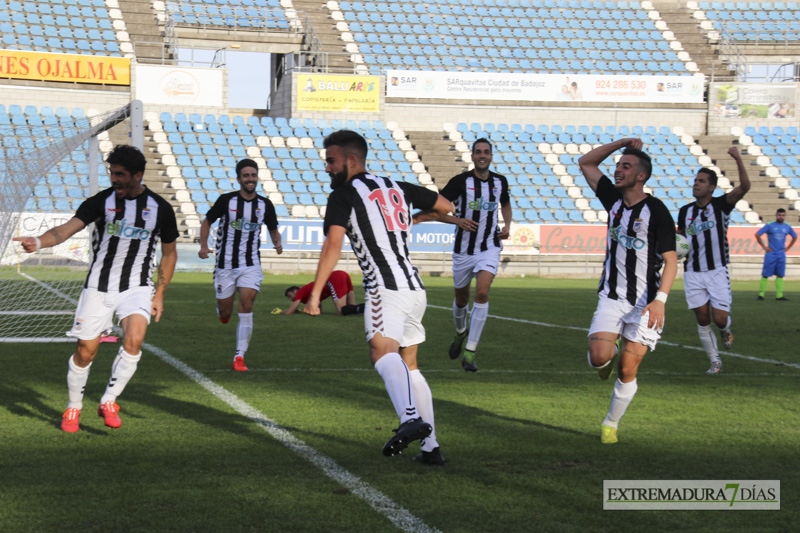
{"x":591,"y":239}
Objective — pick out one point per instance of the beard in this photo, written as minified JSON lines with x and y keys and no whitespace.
{"x":339,"y":178}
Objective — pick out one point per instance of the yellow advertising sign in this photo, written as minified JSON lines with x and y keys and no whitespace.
{"x":323,"y":92}
{"x":21,"y":65}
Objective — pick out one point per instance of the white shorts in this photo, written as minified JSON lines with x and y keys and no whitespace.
{"x":465,"y":266}
{"x":711,"y":286}
{"x":227,"y":280}
{"x":396,"y":315}
{"x":622,"y":318}
{"x":95,"y":312}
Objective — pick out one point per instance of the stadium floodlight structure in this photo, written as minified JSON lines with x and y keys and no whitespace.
{"x":39,"y":291}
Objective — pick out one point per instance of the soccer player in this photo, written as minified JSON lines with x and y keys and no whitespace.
{"x":478,"y":196}
{"x":706,"y":280}
{"x":339,"y":287}
{"x":632,"y":291}
{"x":129,"y":221}
{"x":375,"y":214}
{"x":238,"y":266}
{"x":775,"y":256}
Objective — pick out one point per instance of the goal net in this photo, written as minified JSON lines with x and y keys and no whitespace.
{"x":49,"y":163}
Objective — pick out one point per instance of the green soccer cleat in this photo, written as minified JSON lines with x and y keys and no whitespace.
{"x":468,"y":362}
{"x":608,"y":435}
{"x":457,"y":346}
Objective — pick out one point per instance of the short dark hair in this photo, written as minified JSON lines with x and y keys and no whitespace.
{"x":781,"y":210}
{"x":645,"y":163}
{"x":128,"y":157}
{"x":244,"y":163}
{"x":349,"y":141}
{"x":292,"y":288}
{"x":712,"y":176}
{"x":482,"y":140}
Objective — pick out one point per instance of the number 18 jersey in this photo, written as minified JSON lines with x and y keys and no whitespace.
{"x":376,"y":214}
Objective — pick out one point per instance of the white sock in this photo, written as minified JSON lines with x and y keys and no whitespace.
{"x":477,"y":319}
{"x":395,"y":374}
{"x":460,"y":317}
{"x":76,"y":383}
{"x":620,"y":400}
{"x":708,"y":339}
{"x":424,"y":398}
{"x":727,"y":328}
{"x":121,"y":372}
{"x":243,"y":333}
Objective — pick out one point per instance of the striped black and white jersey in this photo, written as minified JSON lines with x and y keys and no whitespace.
{"x":239,"y":231}
{"x":638,"y":236}
{"x":376,"y":214}
{"x":480,"y":201}
{"x":707,"y":231}
{"x":126,"y":233}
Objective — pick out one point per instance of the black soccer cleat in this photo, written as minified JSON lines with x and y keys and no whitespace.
{"x":457,"y":346}
{"x":408,"y":432}
{"x":431,"y":458}
{"x":782,"y":299}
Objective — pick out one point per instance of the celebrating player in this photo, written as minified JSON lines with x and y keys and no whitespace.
{"x":238,"y":265}
{"x":477,"y":195}
{"x":707,"y":281}
{"x":632,"y":292}
{"x":375,"y":213}
{"x":129,"y":221}
{"x":339,"y":288}
{"x":775,"y":256}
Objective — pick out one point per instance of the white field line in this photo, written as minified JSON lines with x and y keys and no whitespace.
{"x":545,"y":324}
{"x":399,"y":516}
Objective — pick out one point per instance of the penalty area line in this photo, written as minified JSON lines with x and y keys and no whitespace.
{"x":665,"y":343}
{"x":396,"y":514}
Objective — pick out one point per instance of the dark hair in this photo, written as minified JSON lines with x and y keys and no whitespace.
{"x":292,"y":288}
{"x":482,"y":140}
{"x":645,"y":164}
{"x":244,"y":163}
{"x":712,"y":176}
{"x":781,"y":210}
{"x":350,"y":142}
{"x":128,"y":157}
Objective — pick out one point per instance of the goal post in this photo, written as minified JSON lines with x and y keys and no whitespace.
{"x":49,"y":167}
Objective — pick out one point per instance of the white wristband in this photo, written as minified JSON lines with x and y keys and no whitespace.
{"x":38,"y":243}
{"x":661,"y":296}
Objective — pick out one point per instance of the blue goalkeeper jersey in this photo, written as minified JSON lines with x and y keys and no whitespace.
{"x":776,"y":233}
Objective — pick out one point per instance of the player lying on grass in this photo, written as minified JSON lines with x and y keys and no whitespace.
{"x":339,"y":288}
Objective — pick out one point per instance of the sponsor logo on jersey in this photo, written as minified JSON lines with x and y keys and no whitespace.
{"x":479,"y":204}
{"x":697,"y":227}
{"x":123,"y":230}
{"x":631,"y":243}
{"x":243,"y":225}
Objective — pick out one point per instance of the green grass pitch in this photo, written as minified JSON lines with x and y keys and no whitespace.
{"x":295,"y":444}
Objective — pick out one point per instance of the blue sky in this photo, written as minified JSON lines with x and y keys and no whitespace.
{"x":248,"y":75}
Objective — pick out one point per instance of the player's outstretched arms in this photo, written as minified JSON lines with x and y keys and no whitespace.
{"x":738,"y":192}
{"x":51,"y":237}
